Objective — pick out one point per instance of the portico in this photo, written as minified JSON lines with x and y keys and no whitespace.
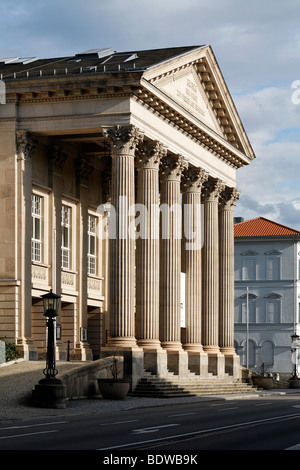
{"x":153,"y":149}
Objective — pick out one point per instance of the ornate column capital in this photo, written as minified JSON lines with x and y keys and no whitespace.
{"x":123,"y":139}
{"x":192,"y":179}
{"x":150,"y":154}
{"x":212,"y":189}
{"x":172,"y":167}
{"x":228,"y":198}
{"x":26,"y":145}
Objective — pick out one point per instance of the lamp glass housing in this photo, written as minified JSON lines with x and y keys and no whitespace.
{"x":51,"y":304}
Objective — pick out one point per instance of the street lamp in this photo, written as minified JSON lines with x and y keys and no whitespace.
{"x":295,"y":380}
{"x":51,"y":304}
{"x":50,"y":392}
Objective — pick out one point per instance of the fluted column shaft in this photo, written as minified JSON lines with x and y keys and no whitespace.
{"x":147,"y":246}
{"x":226,"y":282}
{"x":212,"y":189}
{"x":122,"y":245}
{"x":170,"y":253}
{"x":192,"y":181}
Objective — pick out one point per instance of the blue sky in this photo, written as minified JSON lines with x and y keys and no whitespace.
{"x":257,"y":46}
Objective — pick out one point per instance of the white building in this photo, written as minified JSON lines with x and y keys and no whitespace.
{"x":267,"y":280}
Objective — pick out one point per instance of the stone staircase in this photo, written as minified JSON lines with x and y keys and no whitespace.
{"x":172,"y":386}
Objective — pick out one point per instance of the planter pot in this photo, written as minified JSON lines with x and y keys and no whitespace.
{"x":114,"y":389}
{"x":263,"y":382}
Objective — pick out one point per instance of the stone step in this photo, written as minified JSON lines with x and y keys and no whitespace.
{"x":172,"y":386}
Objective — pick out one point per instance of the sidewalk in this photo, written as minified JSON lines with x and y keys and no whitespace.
{"x":19,"y":378}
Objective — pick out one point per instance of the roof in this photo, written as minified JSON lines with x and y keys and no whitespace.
{"x":261,"y":227}
{"x":105,"y":60}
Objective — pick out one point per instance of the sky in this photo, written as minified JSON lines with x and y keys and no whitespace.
{"x":257,"y":46}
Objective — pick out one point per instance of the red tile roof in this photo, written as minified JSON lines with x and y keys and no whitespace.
{"x":261,"y":227}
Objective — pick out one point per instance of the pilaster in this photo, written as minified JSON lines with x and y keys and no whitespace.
{"x":25,"y":146}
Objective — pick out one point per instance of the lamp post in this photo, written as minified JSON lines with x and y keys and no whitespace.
{"x":50,"y":392}
{"x":295,"y":380}
{"x":51,"y":304}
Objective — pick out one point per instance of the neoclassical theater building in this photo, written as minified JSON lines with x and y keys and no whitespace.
{"x":118,"y":183}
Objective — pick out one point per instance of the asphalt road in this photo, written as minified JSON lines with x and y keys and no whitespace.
{"x":259,"y":423}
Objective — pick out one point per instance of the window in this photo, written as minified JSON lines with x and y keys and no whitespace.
{"x":273,"y":268}
{"x":273,"y":308}
{"x":66,"y":237}
{"x":249,"y":268}
{"x":36,"y":241}
{"x":92,"y":245}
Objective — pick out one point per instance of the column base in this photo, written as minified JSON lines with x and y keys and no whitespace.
{"x":177,"y":362}
{"x":120,"y":342}
{"x":156,"y":362}
{"x":232,"y":362}
{"x":149,"y":344}
{"x":27,"y":349}
{"x":83,"y":352}
{"x":133,"y":361}
{"x":197,"y":359}
{"x":216,"y":360}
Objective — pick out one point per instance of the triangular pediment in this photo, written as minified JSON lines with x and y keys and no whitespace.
{"x":184,"y":86}
{"x":195,"y":83}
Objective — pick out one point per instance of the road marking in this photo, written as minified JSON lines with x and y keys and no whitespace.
{"x":27,"y":434}
{"x":153,"y":428}
{"x":120,"y":422}
{"x":181,"y":414}
{"x":204,"y":431}
{"x":33,"y":425}
{"x":231,"y":408}
{"x":296,"y":447}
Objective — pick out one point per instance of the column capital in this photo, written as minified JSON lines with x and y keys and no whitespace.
{"x":123,"y":139}
{"x":212,"y":189}
{"x":150,"y":154}
{"x":26,"y":145}
{"x":228,"y":198}
{"x":172,"y":167}
{"x":192,"y":179}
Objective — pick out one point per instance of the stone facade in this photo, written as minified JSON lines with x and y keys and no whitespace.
{"x":94,"y":149}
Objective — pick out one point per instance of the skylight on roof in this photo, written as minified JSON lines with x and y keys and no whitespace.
{"x":96,"y":53}
{"x":119,"y":58}
{"x":17,"y":60}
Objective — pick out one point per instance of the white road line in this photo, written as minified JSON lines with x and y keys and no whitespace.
{"x":120,"y":422}
{"x":181,"y":414}
{"x":27,"y":434}
{"x":153,"y":428}
{"x":33,"y":425}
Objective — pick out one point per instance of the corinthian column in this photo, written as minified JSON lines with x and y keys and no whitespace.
{"x":170,"y":259}
{"x":211,"y":192}
{"x":226,"y":312}
{"x":122,"y":245}
{"x":192,"y":181}
{"x":147,"y":246}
